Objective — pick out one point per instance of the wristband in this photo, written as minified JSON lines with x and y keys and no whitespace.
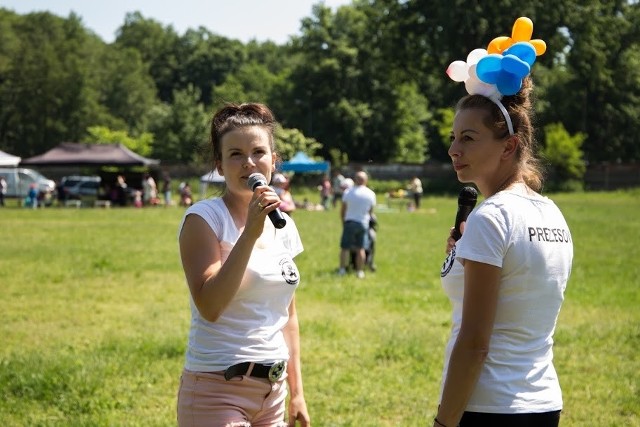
{"x":435,"y":420}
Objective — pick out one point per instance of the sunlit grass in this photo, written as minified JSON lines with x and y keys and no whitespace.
{"x":94,"y":317}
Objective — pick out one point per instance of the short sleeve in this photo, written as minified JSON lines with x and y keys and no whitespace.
{"x":292,"y":239}
{"x":210,"y":212}
{"x":485,"y":237}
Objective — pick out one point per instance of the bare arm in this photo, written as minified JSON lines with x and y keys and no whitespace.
{"x":212,"y":284}
{"x":481,"y":286}
{"x":297,"y":405}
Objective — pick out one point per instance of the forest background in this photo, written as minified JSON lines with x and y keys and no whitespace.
{"x":363,"y":83}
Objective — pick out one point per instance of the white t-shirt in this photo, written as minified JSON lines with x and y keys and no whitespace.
{"x":527,"y":236}
{"x":359,"y":200}
{"x":416,"y":186}
{"x":250,"y":328}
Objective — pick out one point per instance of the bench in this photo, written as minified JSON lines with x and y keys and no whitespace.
{"x":102,"y":204}
{"x":72,"y":203}
{"x":402,"y":202}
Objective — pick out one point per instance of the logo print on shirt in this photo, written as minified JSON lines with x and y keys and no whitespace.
{"x":289,"y":271}
{"x":448,"y":262}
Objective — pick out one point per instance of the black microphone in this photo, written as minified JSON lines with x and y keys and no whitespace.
{"x":466,"y":202}
{"x":257,"y":179}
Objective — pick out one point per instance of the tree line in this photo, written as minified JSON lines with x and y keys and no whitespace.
{"x":365,"y":82}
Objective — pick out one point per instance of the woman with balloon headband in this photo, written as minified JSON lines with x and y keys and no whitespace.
{"x":507,"y":274}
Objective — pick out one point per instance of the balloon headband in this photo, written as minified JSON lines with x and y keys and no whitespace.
{"x":500,"y":69}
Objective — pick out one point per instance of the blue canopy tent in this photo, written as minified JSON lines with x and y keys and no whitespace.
{"x":300,"y":162}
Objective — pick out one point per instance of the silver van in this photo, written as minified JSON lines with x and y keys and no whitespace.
{"x":20,"y":179}
{"x":80,"y":187}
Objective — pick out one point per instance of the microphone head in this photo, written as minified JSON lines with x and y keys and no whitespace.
{"x":468,"y":197}
{"x":256,"y":179}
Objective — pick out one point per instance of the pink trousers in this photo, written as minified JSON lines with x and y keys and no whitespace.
{"x":207,"y":399}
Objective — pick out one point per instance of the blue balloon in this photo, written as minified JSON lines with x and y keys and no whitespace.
{"x":508,"y":84}
{"x":488,"y":68}
{"x":507,"y":71}
{"x":523,"y":50}
{"x":514,"y":65}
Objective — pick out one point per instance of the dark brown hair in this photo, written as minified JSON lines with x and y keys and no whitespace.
{"x":235,"y":116}
{"x":520,"y":109}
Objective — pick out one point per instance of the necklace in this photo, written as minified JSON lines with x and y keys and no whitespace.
{"x":506,"y":184}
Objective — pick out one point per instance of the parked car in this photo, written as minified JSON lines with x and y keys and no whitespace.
{"x":20,"y":179}
{"x":79,"y":187}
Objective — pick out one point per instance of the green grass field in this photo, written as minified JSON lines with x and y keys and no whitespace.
{"x":94,"y":315}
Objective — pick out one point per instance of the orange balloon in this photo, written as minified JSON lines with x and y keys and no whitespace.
{"x":522,"y":30}
{"x":499,"y":44}
{"x":539,"y":45}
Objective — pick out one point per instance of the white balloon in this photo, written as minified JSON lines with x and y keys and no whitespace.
{"x":472,"y":72}
{"x":475,"y":86}
{"x":476,"y":55}
{"x":471,"y":86}
{"x":458,"y":71}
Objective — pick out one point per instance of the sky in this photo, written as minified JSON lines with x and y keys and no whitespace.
{"x":244,"y":20}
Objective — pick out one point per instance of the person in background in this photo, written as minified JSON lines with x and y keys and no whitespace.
{"x":415,"y":188}
{"x":149,"y":190}
{"x":347,"y":185}
{"x":356,"y":210}
{"x":507,"y":274}
{"x":244,"y":341}
{"x":281,"y":185}
{"x":3,"y":189}
{"x":61,"y":193}
{"x":325,"y":192}
{"x":121,"y":191}
{"x":137,"y":198}
{"x":166,"y":189}
{"x":45,"y":198}
{"x":186,"y":198}
{"x":337,"y":185}
{"x":32,"y":196}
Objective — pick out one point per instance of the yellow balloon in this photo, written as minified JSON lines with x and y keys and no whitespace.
{"x":522,"y":30}
{"x":540,"y":46}
{"x":499,"y":44}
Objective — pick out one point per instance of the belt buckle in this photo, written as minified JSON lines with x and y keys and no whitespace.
{"x":276,"y":370}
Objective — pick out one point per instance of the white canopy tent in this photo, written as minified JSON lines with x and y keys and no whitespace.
{"x":212,"y":177}
{"x":7,"y":159}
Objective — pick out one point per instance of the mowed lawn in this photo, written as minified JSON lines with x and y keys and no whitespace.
{"x":94,"y":316}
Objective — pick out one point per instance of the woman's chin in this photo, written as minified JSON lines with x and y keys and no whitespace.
{"x":463,"y":178}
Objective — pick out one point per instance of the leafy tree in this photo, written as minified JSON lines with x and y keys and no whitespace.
{"x":251,"y":83}
{"x":180,"y":128}
{"x":141,"y":145}
{"x":158,"y":46}
{"x":275,"y":58}
{"x":365,"y":81}
{"x":321,"y":80}
{"x":207,"y":59}
{"x":338,"y":158}
{"x":602,"y":60}
{"x":57,"y":79}
{"x":290,"y":141}
{"x":44,"y":95}
{"x":562,"y":152}
{"x":127,"y":91}
{"x":412,"y":113}
{"x":445,"y":125}
{"x":343,"y":94}
{"x":10,"y":46}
